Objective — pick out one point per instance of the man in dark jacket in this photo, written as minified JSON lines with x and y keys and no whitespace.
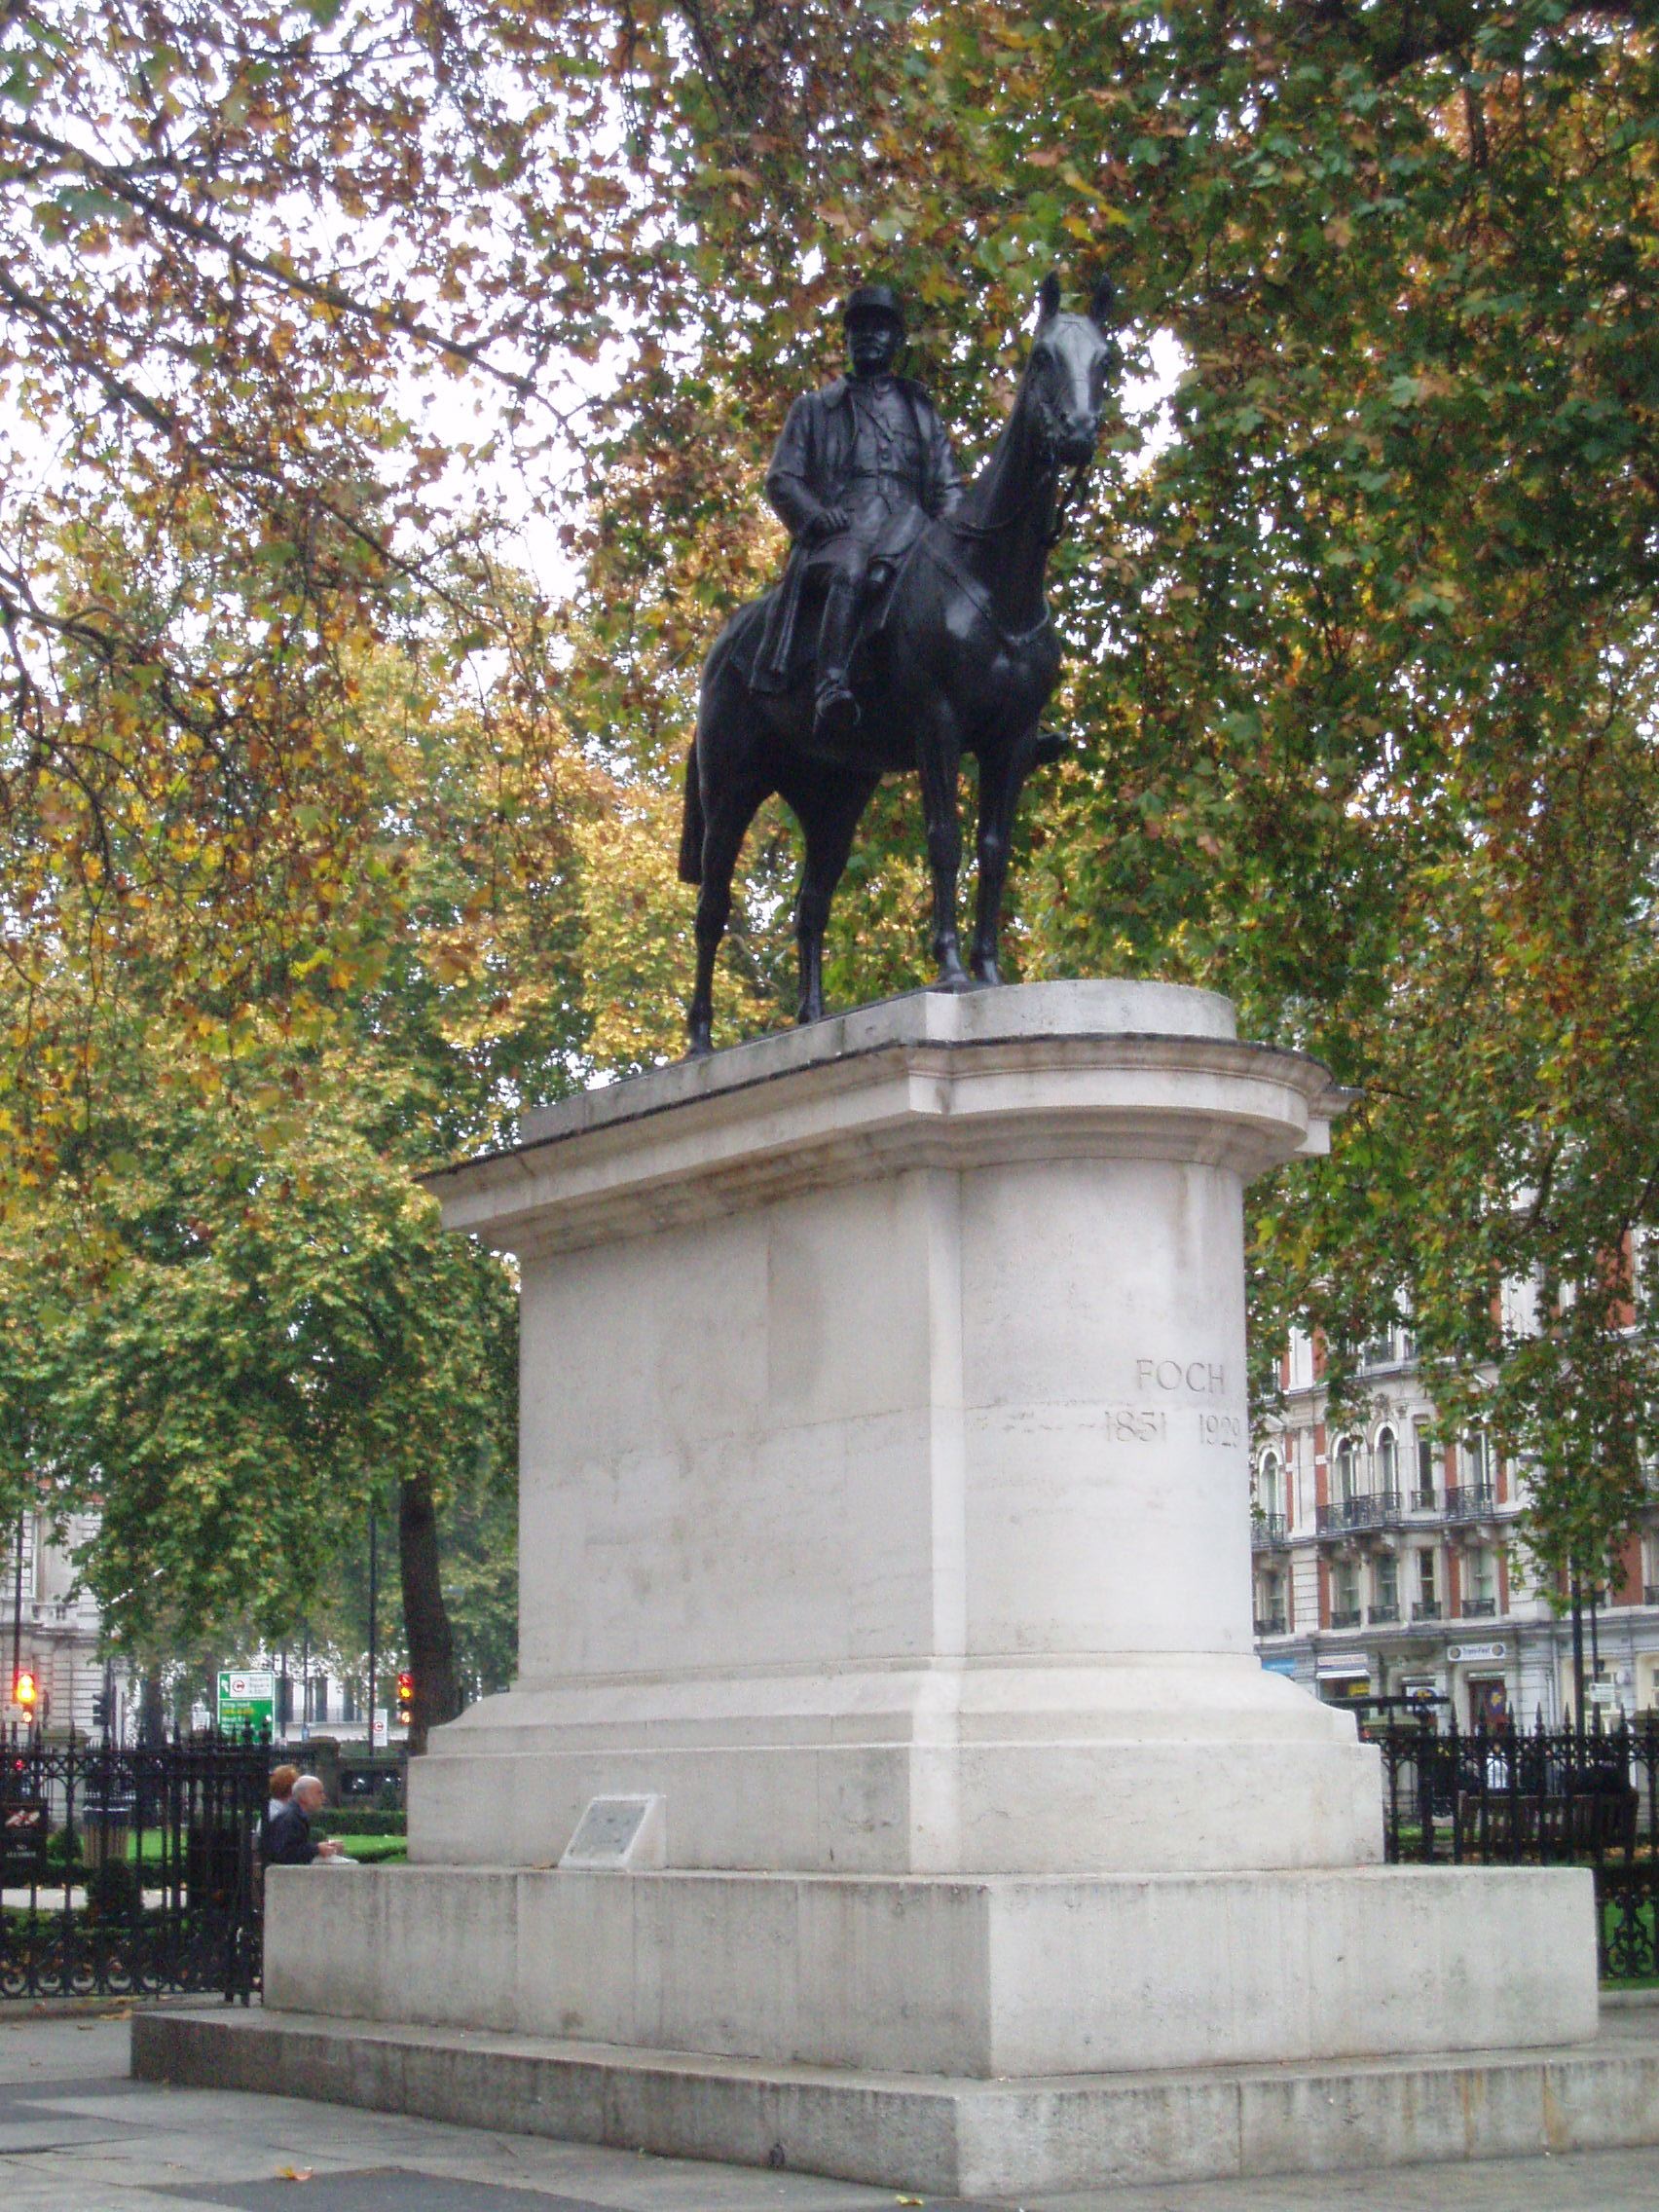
{"x":288,"y":1837}
{"x":860,"y":467}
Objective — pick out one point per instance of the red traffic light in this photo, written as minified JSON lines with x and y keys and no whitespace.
{"x":405,"y":1696}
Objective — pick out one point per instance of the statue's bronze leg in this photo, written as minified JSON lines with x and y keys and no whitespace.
{"x":940,"y":757}
{"x":837,"y":714}
{"x":828,"y":810}
{"x":1000,"y":785}
{"x":728,"y":820}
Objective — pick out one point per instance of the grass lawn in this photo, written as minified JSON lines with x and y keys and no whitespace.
{"x":375,"y":1850}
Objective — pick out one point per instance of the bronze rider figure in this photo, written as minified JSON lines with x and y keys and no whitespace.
{"x":858,"y":468}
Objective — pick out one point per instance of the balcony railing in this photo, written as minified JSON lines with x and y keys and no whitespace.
{"x":1385,"y":1616}
{"x":1480,"y":1608}
{"x":1424,"y":1500}
{"x":1345,"y":1616}
{"x":1470,"y":1501}
{"x":1269,"y":1532}
{"x":1271,"y":1624}
{"x":1426,"y":1609}
{"x":1376,"y":1509}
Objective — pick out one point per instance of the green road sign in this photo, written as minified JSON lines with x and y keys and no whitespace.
{"x":247,"y":1698}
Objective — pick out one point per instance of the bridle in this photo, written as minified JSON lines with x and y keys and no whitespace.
{"x":1065,"y":500}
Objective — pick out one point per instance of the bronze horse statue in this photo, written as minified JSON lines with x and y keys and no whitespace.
{"x":962,"y":658}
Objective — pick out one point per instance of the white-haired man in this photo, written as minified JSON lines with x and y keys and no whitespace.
{"x":289,"y":1838}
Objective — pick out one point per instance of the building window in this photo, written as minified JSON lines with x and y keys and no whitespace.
{"x":1422,"y":1438}
{"x":1388,"y":1462}
{"x":1348,"y":1471}
{"x":1386,"y":1589}
{"x":1481,"y":1594}
{"x":1270,"y":1487}
{"x":1345,"y":1595}
{"x":1477,"y":1460}
{"x":1269,"y":1605}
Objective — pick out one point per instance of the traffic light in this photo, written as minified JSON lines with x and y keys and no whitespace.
{"x":25,"y":1690}
{"x":405,"y":1699}
{"x":102,"y":1704}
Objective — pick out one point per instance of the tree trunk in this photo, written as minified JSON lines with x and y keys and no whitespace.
{"x":425,"y":1619}
{"x":152,"y":1710}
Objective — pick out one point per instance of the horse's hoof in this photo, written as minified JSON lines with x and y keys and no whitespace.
{"x":986,"y":975}
{"x":806,"y":1015}
{"x":953,"y":979}
{"x":701,"y":1044}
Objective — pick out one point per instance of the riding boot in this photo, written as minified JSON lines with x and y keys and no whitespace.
{"x":838,"y":714}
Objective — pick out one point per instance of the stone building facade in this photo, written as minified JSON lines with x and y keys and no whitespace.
{"x":57,"y":1635}
{"x":1387,"y":1563}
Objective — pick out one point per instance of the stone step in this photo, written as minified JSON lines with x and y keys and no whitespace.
{"x":941,"y":2136}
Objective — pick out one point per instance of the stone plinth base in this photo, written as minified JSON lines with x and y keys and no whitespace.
{"x":885,"y":1486}
{"x":995,"y":1976}
{"x":944,"y":2137}
{"x":1173,"y":1766}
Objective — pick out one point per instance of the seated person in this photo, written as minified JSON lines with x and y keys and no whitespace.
{"x":288,"y":1837}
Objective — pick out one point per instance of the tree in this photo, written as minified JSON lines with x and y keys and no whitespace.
{"x":231,"y":1320}
{"x":1362,"y":650}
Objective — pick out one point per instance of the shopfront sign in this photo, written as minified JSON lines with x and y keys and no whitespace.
{"x":1476,"y":1654}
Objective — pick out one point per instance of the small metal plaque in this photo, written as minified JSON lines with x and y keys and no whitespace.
{"x":617,"y":1831}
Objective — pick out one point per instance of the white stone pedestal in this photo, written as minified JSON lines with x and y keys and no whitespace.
{"x":885,"y":1474}
{"x":885,"y":1521}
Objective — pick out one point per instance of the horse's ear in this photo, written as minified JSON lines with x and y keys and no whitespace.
{"x":1047,"y":299}
{"x":1102,"y":301}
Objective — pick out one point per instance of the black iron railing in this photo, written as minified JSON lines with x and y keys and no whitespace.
{"x":1385,"y":1616}
{"x":1478,"y":1608}
{"x":130,"y":1872}
{"x":1346,"y":1616}
{"x":1551,"y":1796}
{"x":1470,"y":1501}
{"x":1271,"y":1624}
{"x":1376,"y":1509}
{"x":1426,"y":1609}
{"x":1269,"y":1532}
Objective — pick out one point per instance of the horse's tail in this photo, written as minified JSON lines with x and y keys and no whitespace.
{"x":691,"y":823}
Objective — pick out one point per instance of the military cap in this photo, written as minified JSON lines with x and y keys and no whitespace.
{"x":868,"y":301}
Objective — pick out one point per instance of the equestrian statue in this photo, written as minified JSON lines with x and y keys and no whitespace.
{"x":932,"y":638}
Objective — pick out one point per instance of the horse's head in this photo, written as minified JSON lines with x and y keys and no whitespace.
{"x":1072,"y":355}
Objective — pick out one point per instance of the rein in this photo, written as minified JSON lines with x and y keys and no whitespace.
{"x":1016,"y":639}
{"x":1065,"y":506}
{"x":1066,"y":502}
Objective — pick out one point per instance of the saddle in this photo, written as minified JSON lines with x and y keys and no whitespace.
{"x":788,"y":614}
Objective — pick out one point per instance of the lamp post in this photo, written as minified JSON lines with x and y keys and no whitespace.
{"x":374,"y":1599}
{"x":18,"y":1607}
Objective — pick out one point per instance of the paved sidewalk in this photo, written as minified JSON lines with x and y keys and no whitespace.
{"x":77,"y":2135}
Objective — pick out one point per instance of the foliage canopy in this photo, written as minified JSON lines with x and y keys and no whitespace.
{"x":1362,"y":639}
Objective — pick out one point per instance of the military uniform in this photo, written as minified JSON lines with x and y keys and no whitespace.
{"x":873,"y":448}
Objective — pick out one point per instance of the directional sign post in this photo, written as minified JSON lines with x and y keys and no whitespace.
{"x":247,"y":1698}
